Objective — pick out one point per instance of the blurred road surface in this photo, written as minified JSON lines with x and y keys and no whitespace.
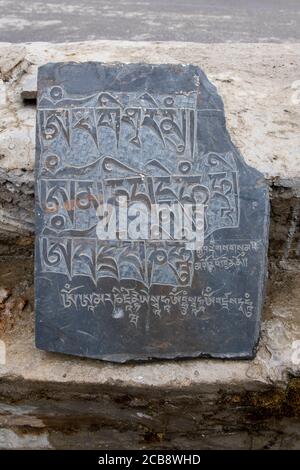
{"x":150,"y":20}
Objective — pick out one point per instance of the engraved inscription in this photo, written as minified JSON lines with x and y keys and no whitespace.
{"x":142,"y":152}
{"x":107,"y":123}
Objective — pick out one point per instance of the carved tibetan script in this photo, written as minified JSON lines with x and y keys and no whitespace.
{"x":114,"y":142}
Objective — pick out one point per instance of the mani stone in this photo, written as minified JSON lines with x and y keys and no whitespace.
{"x":152,"y":134}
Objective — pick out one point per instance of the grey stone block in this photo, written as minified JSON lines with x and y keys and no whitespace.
{"x":154,"y":134}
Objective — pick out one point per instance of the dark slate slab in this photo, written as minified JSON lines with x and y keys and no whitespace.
{"x":154,"y":133}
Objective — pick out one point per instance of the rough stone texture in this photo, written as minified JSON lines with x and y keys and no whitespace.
{"x":52,"y":401}
{"x":154,"y":159}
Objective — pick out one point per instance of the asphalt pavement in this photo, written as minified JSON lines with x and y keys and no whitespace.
{"x":152,"y":20}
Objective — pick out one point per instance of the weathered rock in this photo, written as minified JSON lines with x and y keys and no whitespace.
{"x":29,"y":88}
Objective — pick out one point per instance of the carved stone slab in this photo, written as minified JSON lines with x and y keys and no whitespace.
{"x":152,"y":134}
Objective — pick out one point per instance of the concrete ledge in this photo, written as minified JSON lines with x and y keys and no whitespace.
{"x":273,"y":365}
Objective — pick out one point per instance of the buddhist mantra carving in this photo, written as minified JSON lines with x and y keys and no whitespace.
{"x":151,"y":136}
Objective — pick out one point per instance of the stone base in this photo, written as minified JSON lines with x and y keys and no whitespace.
{"x":55,"y":401}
